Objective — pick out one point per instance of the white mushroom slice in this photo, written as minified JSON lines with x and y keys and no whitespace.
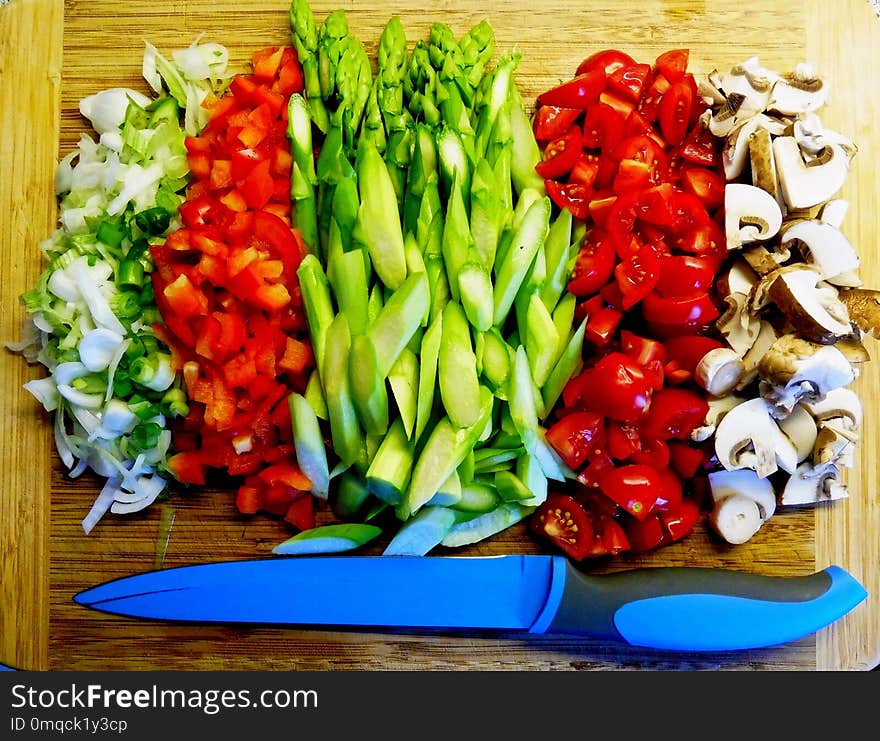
{"x":842,"y":405}
{"x":740,"y":278}
{"x":750,"y":215}
{"x":718,"y":407}
{"x":752,"y":81}
{"x":763,"y":166}
{"x":747,"y":483}
{"x":806,"y":184}
{"x":736,"y":519}
{"x":709,"y":91}
{"x":794,"y":369}
{"x":809,"y":485}
{"x":748,"y":437}
{"x":735,"y":152}
{"x":801,"y":429}
{"x":812,"y":137}
{"x":813,"y":308}
{"x":725,"y":118}
{"x":824,"y":247}
{"x":832,"y":446}
{"x":834,"y":212}
{"x":767,"y":335}
{"x":800,"y":92}
{"x":738,"y":324}
{"x":719,"y":371}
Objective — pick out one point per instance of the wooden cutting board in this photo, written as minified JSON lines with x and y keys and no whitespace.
{"x":52,"y":54}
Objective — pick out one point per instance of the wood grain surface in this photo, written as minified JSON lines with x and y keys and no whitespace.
{"x":46,"y":558}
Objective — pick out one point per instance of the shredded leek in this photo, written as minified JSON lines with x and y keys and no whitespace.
{"x":111,"y":385}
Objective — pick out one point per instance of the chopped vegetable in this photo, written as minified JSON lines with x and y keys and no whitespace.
{"x":226,"y":287}
{"x":112,"y":386}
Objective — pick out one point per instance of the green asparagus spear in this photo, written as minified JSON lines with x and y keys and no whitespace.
{"x":378,"y":224}
{"x":303,"y":177}
{"x":304,"y":31}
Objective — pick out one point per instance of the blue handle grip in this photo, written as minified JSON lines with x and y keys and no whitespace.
{"x":698,"y":609}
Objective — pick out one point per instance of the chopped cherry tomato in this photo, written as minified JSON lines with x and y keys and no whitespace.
{"x":681,"y":523}
{"x":601,"y":326}
{"x":653,"y":452}
{"x":673,"y":64}
{"x":563,"y":520}
{"x":631,"y":175}
{"x":697,"y":309}
{"x":645,"y":535}
{"x":577,"y":436}
{"x":701,"y":147}
{"x":585,"y":170}
{"x":706,"y":185}
{"x":685,"y":275}
{"x":579,"y":92}
{"x":629,"y":82}
{"x":615,"y":387}
{"x":608,"y":60}
{"x":621,"y":440}
{"x":642,"y":349}
{"x":685,"y":458}
{"x":675,"y":413}
{"x":572,"y":196}
{"x":636,"y":487}
{"x":670,"y":495}
{"x":552,"y":121}
{"x":603,"y":127}
{"x":600,"y":207}
{"x":687,"y":351}
{"x":650,"y":104}
{"x":560,"y":154}
{"x":675,"y":112}
{"x":637,"y":275}
{"x":593,"y":266}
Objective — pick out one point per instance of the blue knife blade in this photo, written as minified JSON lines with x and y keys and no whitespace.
{"x":675,"y":608}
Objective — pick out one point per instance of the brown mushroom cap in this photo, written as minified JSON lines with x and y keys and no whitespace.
{"x":863,"y":305}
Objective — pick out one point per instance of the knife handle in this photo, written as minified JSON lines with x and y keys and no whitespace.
{"x":695,"y":608}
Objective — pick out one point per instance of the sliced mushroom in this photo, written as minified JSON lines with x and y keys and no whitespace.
{"x":748,"y":437}
{"x":813,"y":308}
{"x":763,"y":165}
{"x":805,"y":184}
{"x":809,"y":485}
{"x":863,"y":308}
{"x":841,"y":407}
{"x":718,"y":407}
{"x":740,"y":278}
{"x":798,"y":93}
{"x":794,"y":369}
{"x":709,"y":91}
{"x":750,"y":215}
{"x":767,"y":335}
{"x":812,"y":137}
{"x":832,"y":446}
{"x":763,"y":262}
{"x":719,"y":371}
{"x":834,"y":212}
{"x":736,"y":519}
{"x":725,"y":118}
{"x":752,"y":81}
{"x":854,"y":350}
{"x":744,"y":482}
{"x":801,"y":429}
{"x":827,"y":249}
{"x":738,"y":324}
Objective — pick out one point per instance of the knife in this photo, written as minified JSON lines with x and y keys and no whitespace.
{"x":675,"y":608}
